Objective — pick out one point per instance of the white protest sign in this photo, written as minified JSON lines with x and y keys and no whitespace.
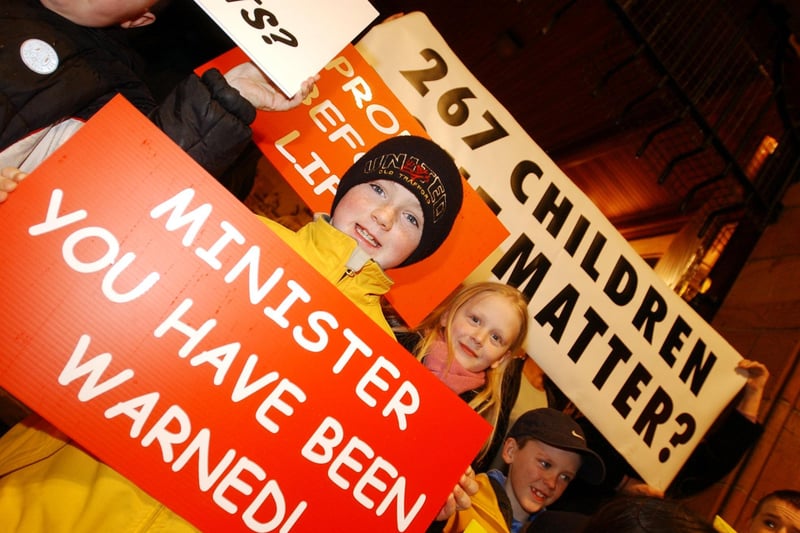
{"x":291,"y":40}
{"x":648,"y":371}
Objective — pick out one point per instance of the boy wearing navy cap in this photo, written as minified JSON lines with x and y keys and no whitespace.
{"x":544,"y":450}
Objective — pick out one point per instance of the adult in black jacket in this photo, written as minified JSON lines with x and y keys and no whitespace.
{"x":57,"y":68}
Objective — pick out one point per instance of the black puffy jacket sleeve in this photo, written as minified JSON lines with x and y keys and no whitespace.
{"x":720,"y":451}
{"x":208,"y":118}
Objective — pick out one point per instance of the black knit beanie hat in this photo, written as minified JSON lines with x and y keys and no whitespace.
{"x":425,"y":169}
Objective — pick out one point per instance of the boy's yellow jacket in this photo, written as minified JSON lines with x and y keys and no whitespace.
{"x":337,"y":257}
{"x":49,"y":484}
{"x":484,"y":514}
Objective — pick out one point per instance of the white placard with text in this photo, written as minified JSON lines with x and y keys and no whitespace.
{"x":635,"y":358}
{"x":291,"y":40}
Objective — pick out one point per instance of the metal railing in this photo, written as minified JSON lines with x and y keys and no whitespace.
{"x":723,"y":137}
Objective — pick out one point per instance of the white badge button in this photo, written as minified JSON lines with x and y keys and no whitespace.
{"x":39,"y":56}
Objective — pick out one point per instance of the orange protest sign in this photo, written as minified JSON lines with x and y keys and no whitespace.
{"x":312,"y":145}
{"x":163,"y":327}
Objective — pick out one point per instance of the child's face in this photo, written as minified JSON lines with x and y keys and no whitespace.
{"x":537,"y":474}
{"x":384,"y":218}
{"x":482,"y":331}
{"x":99,"y":13}
{"x":776,"y":515}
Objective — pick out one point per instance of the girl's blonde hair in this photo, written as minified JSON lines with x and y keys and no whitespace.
{"x":488,"y":401}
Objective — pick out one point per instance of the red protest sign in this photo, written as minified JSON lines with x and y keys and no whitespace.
{"x":350,"y":110}
{"x":163,"y":327}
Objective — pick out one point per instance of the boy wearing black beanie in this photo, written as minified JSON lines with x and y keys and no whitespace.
{"x":393,"y":207}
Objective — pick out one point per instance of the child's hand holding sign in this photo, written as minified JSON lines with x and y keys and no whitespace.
{"x":9,"y":179}
{"x":259,"y":91}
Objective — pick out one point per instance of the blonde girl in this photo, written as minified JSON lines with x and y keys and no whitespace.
{"x":469,"y":342}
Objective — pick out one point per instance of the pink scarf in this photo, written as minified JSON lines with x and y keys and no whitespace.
{"x":456,"y":377}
